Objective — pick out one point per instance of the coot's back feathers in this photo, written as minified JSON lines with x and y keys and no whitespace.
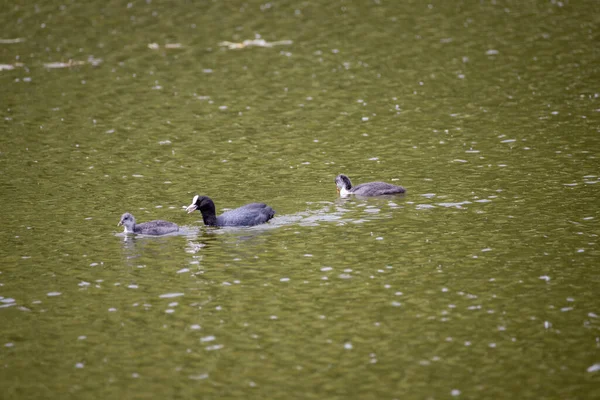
{"x":376,"y":189}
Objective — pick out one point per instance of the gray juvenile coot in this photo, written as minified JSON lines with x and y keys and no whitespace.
{"x":248,"y":215}
{"x":344,"y":187}
{"x":157,"y":227}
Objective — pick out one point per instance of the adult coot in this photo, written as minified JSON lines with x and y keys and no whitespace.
{"x":248,"y":215}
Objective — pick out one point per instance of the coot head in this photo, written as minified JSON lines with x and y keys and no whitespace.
{"x":128,"y":221}
{"x":343,"y":182}
{"x":201,"y":203}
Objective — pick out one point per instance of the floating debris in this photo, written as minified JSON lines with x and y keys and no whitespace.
{"x":68,"y":64}
{"x":72,"y":63}
{"x":253,"y":43}
{"x":12,"y":41}
{"x":9,"y":67}
{"x":156,"y":46}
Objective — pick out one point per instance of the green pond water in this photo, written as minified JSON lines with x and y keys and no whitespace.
{"x":482,"y":282}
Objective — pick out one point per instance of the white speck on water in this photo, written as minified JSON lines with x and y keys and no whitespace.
{"x":492,"y":52}
{"x":348,"y":346}
{"x":284,"y":280}
{"x":137,"y":176}
{"x":132,"y":286}
{"x":592,"y":315}
{"x":459,"y":160}
{"x":7,"y":300}
{"x":365,"y":118}
{"x":326,"y":269}
{"x":545,"y":278}
{"x":226,"y":284}
{"x":345,"y":276}
{"x":308,"y":255}
{"x":93,"y":264}
{"x":373,"y":158}
{"x":169,"y":311}
{"x":170,"y":295}
{"x":198,"y":377}
{"x":195,"y":327}
{"x":214,"y":347}
{"x":110,"y":131}
{"x":83,"y":284}
{"x":79,"y":365}
{"x":444,"y":289}
{"x":135,"y":375}
{"x":207,"y":339}
{"x":486,"y":249}
{"x":547,"y":325}
{"x":273,"y":317}
{"x":9,"y":344}
{"x":173,"y":304}
{"x":181,"y":271}
{"x":51,"y":294}
{"x":222,"y":108}
{"x":82,"y":337}
{"x":455,"y":392}
{"x":164,"y":142}
{"x":594,"y":368}
{"x":396,"y":304}
{"x":580,"y":250}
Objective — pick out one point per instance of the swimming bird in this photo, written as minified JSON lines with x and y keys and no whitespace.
{"x":248,"y":215}
{"x":344,"y":188}
{"x":157,"y":227}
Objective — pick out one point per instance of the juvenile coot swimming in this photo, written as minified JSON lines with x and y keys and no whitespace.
{"x":157,"y":227}
{"x":344,"y":187}
{"x":248,"y":215}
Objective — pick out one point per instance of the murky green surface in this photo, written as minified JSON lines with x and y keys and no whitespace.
{"x":482,"y":282}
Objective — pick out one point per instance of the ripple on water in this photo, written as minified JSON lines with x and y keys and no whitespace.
{"x":198,"y":377}
{"x":594,"y":368}
{"x":170,"y":295}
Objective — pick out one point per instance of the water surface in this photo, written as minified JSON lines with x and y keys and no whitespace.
{"x":480,"y":282}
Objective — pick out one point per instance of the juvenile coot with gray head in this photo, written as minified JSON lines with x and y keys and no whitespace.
{"x":248,"y":215}
{"x":344,"y":188}
{"x":157,"y":227}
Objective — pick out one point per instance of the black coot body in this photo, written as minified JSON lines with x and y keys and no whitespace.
{"x":248,"y":215}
